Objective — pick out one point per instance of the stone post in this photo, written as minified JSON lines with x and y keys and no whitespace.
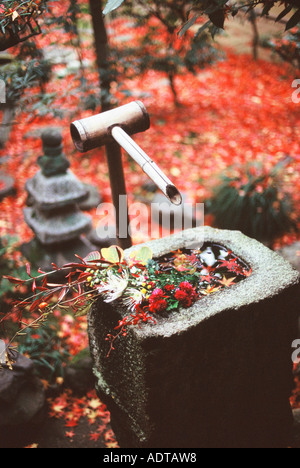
{"x":216,"y":375}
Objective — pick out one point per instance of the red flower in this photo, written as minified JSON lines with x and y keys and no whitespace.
{"x":186,"y":286}
{"x":157,"y":302}
{"x":184,"y":298}
{"x":186,"y":294}
{"x":158,"y":306}
{"x":169,"y":287}
{"x":157,"y":295}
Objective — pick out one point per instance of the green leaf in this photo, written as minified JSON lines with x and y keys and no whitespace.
{"x":92,"y":257}
{"x":173,"y":306}
{"x":83,"y":311}
{"x":141,"y":256}
{"x":293,"y":21}
{"x":203,"y":28}
{"x":111,"y":6}
{"x":113,"y":254}
{"x":188,"y":25}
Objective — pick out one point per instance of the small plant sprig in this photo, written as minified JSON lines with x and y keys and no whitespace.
{"x":19,"y":21}
{"x":146,"y":287}
{"x":12,"y":13}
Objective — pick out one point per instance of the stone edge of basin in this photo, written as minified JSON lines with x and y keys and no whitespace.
{"x":271,"y":274}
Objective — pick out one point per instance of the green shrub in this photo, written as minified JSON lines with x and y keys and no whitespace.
{"x":47,"y":350}
{"x":8,"y":265}
{"x":252,"y":200}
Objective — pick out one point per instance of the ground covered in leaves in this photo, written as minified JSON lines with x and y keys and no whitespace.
{"x":234,"y":112}
{"x":71,"y":422}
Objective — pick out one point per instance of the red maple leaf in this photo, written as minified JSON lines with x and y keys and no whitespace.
{"x":247,"y":273}
{"x":207,"y":278}
{"x":231,"y":265}
{"x":72,"y":423}
{"x":95,"y":435}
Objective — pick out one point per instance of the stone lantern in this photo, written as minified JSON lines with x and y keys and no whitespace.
{"x":54,"y":195}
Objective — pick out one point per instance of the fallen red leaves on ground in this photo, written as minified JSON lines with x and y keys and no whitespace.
{"x":295,"y":398}
{"x":239,"y":111}
{"x":72,"y":409}
{"x":235,"y":112}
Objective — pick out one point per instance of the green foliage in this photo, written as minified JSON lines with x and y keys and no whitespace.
{"x":47,"y":350}
{"x":253,"y":201}
{"x":9,"y":251}
{"x":77,"y":359}
{"x":23,"y":75}
{"x":28,"y":70}
{"x":8,"y":245}
{"x":19,"y":21}
{"x":12,"y":13}
{"x":8,"y":291}
{"x":287,"y":47}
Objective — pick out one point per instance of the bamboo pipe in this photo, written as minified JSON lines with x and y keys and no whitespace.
{"x":147,"y":164}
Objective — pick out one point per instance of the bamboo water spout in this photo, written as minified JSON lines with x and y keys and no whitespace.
{"x":117,"y":125}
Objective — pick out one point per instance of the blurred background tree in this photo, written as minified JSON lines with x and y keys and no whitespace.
{"x":216,"y":11}
{"x":159,"y":47}
{"x":287,"y":47}
{"x":26,"y":70}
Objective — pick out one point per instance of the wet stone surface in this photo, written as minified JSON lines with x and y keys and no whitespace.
{"x":213,"y":262}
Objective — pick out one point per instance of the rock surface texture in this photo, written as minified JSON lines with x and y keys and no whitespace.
{"x":22,"y":395}
{"x":218,"y":374}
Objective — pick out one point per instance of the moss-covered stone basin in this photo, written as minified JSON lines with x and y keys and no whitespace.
{"x":218,"y":374}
